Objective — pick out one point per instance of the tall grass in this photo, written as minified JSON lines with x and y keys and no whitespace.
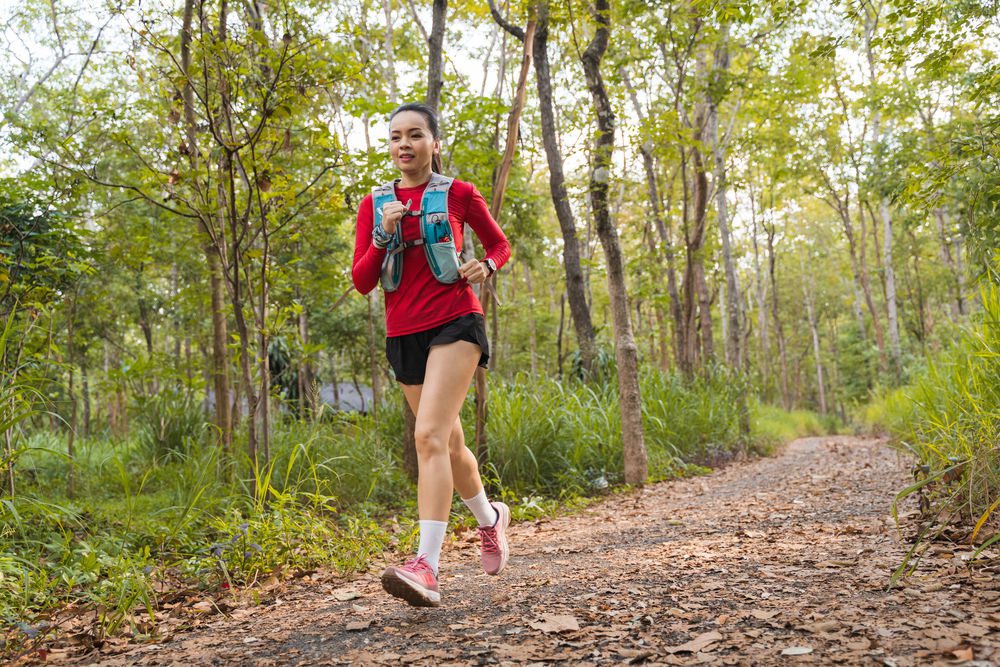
{"x":160,"y":511}
{"x":557,"y":438}
{"x":949,"y":419}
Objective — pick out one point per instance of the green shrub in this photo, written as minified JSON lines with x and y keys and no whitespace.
{"x":773,"y":426}
{"x":949,"y":419}
{"x":169,"y":423}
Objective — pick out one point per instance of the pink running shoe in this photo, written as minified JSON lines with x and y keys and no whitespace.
{"x":494,"y":548}
{"x":415,"y":582}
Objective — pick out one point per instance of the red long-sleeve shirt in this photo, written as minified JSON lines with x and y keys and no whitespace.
{"x":422,"y":302}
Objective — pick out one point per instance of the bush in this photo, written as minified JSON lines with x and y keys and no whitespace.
{"x":170,"y":423}
{"x":773,"y":426}
{"x":949,"y":419}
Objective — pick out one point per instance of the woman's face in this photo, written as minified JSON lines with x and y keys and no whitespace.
{"x":411,"y":144}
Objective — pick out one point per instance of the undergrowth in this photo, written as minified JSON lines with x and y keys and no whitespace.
{"x":162,"y":513}
{"x":948,"y":418}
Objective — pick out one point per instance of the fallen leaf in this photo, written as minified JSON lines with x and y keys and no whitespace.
{"x":963,"y":653}
{"x":797,"y":650}
{"x":344,"y":596}
{"x":696,"y":644}
{"x":357,"y":626}
{"x":556,"y":623}
{"x":822,"y":626}
{"x":971,"y":629}
{"x":764,"y":615}
{"x":204,"y":606}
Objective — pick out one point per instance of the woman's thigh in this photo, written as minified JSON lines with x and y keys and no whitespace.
{"x":450,"y":369}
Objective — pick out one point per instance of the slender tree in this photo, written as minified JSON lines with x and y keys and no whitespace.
{"x":576,"y":291}
{"x":626,"y":351}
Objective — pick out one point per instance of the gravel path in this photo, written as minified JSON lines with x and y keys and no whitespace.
{"x":770,"y":561}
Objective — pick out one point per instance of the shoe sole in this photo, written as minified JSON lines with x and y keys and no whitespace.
{"x":503,"y":520}
{"x":413,"y":593}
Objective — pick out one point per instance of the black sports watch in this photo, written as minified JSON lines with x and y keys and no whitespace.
{"x":491,"y":267}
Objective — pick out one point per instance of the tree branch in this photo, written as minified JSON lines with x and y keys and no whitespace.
{"x":503,"y":23}
{"x":416,"y":19}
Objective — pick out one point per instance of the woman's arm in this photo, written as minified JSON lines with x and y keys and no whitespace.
{"x":367,"y":266}
{"x":487,"y":230}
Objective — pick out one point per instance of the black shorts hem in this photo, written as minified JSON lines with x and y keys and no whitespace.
{"x":408,"y":354}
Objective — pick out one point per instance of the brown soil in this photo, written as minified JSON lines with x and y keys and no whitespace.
{"x":771,"y":561}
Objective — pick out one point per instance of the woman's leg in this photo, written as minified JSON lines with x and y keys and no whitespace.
{"x":445,"y":462}
{"x":446,"y":382}
{"x":436,"y":404}
{"x":464,"y":466}
{"x":449,"y":372}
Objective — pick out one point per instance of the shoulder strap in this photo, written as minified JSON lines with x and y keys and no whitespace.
{"x":435,"y":225}
{"x":392,"y":265}
{"x":381,"y":194}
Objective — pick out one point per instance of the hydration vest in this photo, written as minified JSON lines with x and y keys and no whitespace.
{"x":435,"y":233}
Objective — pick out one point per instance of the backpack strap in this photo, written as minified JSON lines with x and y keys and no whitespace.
{"x":436,"y":232}
{"x":392,"y":265}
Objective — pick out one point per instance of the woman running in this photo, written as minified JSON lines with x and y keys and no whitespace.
{"x":435,"y":333}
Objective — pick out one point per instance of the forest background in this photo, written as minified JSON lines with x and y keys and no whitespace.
{"x":732,"y":224}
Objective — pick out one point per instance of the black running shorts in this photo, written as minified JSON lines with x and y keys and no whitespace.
{"x":408,"y":354}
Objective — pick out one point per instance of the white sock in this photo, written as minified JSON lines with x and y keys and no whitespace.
{"x":482,"y":510}
{"x":431,"y":539}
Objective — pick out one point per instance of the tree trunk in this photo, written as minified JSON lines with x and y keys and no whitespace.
{"x":532,"y":328}
{"x":697,"y":314}
{"x":761,"y":292}
{"x":957,"y":307}
{"x":731,"y":316}
{"x":220,"y":334}
{"x":387,"y":48}
{"x":890,"y":291}
{"x":630,"y":401}
{"x":496,"y":206}
{"x":307,"y":394}
{"x":263,"y":351}
{"x":575,"y":285}
{"x":559,"y":336}
{"x":807,"y":293}
{"x":71,"y":436}
{"x":373,"y":355}
{"x":778,"y":330}
{"x":663,"y":231}
{"x":435,"y":69}
{"x":85,"y":388}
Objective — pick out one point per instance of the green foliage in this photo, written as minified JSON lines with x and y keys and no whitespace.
{"x":41,"y":252}
{"x":148,"y":515}
{"x":695,"y":421}
{"x":170,"y":423}
{"x":773,"y":426}
{"x":949,"y":419}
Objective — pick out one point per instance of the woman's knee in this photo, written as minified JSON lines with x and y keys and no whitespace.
{"x":430,"y":441}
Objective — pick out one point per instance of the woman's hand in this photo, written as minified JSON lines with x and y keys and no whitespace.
{"x":392,"y":213}
{"x":474,"y":272}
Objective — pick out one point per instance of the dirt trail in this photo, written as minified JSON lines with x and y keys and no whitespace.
{"x":787,"y":554}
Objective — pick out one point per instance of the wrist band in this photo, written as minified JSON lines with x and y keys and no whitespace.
{"x":381,"y":238}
